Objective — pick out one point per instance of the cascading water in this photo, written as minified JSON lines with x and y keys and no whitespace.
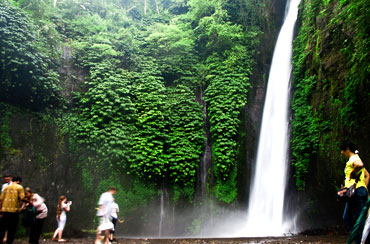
{"x":206,"y":159}
{"x":265,"y":211}
{"x":162,"y":215}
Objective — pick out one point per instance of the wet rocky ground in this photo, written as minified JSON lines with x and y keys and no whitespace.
{"x":304,"y":239}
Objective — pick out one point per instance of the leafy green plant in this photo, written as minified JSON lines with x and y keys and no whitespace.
{"x":170,"y":137}
{"x":105,"y":116}
{"x":330,"y":72}
{"x":27,"y":75}
{"x":226,"y":96}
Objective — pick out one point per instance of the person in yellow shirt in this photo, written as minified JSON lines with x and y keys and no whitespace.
{"x":355,"y":173}
{"x":10,"y":203}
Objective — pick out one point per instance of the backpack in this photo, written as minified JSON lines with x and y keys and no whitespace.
{"x":29,"y":216}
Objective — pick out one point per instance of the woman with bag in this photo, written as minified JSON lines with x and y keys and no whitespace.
{"x":355,"y":173}
{"x":28,"y":210}
{"x":37,"y":210}
{"x":63,"y":207}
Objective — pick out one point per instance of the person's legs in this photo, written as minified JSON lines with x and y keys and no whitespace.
{"x":12,"y":226}
{"x":361,"y":198}
{"x":97,"y":240}
{"x":55,"y":234}
{"x":39,"y":224}
{"x":3,"y":227}
{"x":347,"y":216}
{"x":114,"y":221}
{"x":33,"y":233}
{"x":98,"y":231}
{"x":60,"y":233}
{"x":107,"y":232}
{"x":57,"y":230}
{"x":5,"y":237}
{"x":61,"y":225}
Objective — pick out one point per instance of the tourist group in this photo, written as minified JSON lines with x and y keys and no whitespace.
{"x":16,"y":202}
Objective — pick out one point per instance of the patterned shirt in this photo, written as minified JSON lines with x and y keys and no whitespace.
{"x":11,"y":198}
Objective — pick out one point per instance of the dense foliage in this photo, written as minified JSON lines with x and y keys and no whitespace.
{"x":131,"y":88}
{"x":138,"y":66}
{"x":28,"y":76}
{"x":227,"y":51}
{"x":331,"y":97}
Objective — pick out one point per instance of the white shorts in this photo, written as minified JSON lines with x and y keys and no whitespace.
{"x":62,"y":222}
{"x":105,"y":224}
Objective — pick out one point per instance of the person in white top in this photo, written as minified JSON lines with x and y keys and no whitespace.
{"x":114,"y":215}
{"x":7,"y":181}
{"x":63,"y":207}
{"x":104,"y":213}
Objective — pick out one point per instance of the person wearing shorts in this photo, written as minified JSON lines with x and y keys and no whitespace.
{"x":104,"y":214}
{"x":63,"y":207}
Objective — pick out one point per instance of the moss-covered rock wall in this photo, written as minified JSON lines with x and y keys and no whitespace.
{"x":330,"y":101}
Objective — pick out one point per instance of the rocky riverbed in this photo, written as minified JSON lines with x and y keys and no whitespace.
{"x":304,"y":239}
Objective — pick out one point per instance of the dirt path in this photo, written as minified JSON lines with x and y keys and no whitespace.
{"x":300,"y":239}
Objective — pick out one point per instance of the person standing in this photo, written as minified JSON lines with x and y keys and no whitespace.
{"x":114,"y":215}
{"x":355,"y":173}
{"x":104,"y":213}
{"x":10,"y":202}
{"x":41,"y":213}
{"x":7,"y":181}
{"x":63,"y":207}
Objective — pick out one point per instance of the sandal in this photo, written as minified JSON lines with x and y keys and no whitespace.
{"x":61,"y":240}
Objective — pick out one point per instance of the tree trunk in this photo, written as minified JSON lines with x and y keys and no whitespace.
{"x":156,"y":4}
{"x":144,"y":7}
{"x":128,"y":10}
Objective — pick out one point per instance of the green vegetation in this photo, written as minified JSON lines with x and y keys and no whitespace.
{"x":5,"y":139}
{"x":331,"y":97}
{"x":28,"y":76}
{"x":138,"y":66}
{"x":227,"y":52}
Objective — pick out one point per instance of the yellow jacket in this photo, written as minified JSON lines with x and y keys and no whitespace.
{"x":11,"y":198}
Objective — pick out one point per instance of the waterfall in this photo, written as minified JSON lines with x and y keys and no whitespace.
{"x":206,"y":158}
{"x":265,"y":211}
{"x":162,"y":213}
{"x":205,"y":162}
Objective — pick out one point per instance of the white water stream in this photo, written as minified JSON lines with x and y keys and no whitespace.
{"x":162,"y":212}
{"x":265,"y":212}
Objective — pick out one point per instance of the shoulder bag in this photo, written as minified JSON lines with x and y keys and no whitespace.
{"x":344,"y":194}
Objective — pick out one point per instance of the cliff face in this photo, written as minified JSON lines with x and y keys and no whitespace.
{"x":39,"y":153}
{"x":330,"y":101}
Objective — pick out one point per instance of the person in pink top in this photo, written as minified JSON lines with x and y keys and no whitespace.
{"x":41,"y":213}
